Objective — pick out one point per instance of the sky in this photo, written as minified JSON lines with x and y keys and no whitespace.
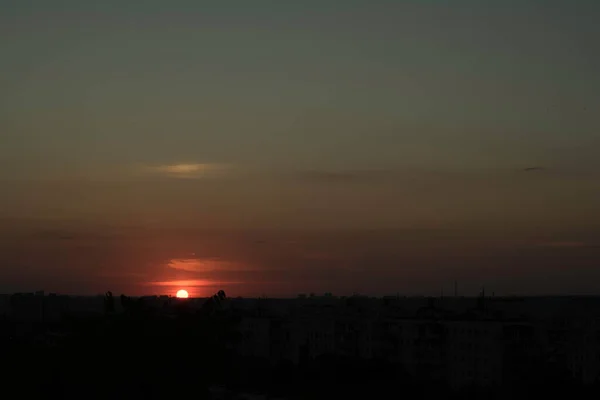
{"x":278,"y":147}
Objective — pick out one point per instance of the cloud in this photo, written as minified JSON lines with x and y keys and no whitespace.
{"x":202,"y":265}
{"x":190,"y":283}
{"x":529,"y":169}
{"x":71,"y":235}
{"x":349,"y":176}
{"x":120,"y":275}
{"x":188,"y":170}
{"x":567,"y":244}
{"x":322,"y":256}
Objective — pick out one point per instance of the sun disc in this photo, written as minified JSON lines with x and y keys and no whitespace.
{"x":182,"y":294}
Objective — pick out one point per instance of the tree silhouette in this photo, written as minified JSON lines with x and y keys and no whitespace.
{"x":109,"y":303}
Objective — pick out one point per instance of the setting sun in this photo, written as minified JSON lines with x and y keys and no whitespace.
{"x":182,"y":294}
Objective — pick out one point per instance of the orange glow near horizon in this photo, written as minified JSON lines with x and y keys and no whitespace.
{"x":185,"y":283}
{"x":182,"y":294}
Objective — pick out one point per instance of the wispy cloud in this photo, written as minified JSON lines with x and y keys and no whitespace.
{"x":529,"y":169}
{"x":343,"y":176}
{"x":566,"y":244}
{"x":201,"y":264}
{"x":121,"y":275}
{"x":322,"y":256}
{"x":190,"y":283}
{"x":188,"y":170}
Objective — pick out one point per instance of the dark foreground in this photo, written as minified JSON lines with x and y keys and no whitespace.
{"x":192,"y":352}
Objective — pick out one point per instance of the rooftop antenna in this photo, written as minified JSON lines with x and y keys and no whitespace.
{"x":481,"y":300}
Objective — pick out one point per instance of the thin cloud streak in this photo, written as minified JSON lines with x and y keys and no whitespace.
{"x":568,"y":245}
{"x":188,"y":170}
{"x":344,"y":176}
{"x":201,"y":265}
{"x":191,"y":283}
{"x":341,"y":176}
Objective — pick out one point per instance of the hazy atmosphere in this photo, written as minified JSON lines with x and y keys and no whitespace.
{"x":277,"y":147}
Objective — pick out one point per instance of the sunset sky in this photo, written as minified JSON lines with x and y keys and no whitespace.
{"x":279,"y":147}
